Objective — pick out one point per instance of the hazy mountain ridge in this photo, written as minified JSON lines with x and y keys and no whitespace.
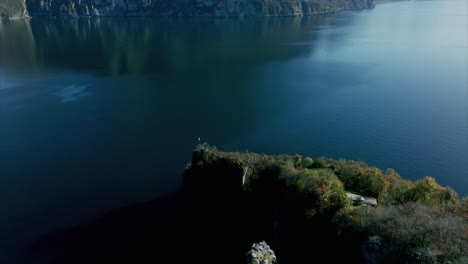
{"x":179,"y":8}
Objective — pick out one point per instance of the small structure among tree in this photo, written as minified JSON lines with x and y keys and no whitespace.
{"x":359,"y":199}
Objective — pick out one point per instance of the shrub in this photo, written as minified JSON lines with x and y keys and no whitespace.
{"x":321,"y":163}
{"x":307,"y":163}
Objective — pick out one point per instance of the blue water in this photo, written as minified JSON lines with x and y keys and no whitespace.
{"x":100,"y":113}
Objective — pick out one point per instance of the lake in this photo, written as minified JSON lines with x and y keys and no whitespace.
{"x":102,"y":113}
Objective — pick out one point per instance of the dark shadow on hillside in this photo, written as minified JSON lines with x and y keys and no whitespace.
{"x":165,"y":230}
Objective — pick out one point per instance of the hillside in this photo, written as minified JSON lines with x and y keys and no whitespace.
{"x":13,"y":9}
{"x":181,"y":8}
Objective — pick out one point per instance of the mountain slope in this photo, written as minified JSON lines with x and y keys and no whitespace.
{"x":13,"y":8}
{"x":191,"y":8}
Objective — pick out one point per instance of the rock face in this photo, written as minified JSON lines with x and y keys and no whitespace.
{"x":13,"y":9}
{"x":191,"y":8}
{"x":261,"y":253}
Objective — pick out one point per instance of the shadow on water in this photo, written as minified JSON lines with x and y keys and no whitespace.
{"x":142,"y":233}
{"x":168,"y":229}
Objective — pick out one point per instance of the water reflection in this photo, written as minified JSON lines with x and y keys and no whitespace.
{"x":17,"y":47}
{"x":138,"y":46}
{"x":212,"y":67}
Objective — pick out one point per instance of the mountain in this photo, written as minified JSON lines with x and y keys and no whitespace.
{"x":179,"y":8}
{"x":13,"y":9}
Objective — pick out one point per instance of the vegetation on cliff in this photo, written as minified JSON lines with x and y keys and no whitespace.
{"x":302,"y":207}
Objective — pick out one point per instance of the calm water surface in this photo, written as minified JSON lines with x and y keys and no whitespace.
{"x":100,"y":113}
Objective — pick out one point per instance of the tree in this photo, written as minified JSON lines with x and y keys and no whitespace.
{"x":307,"y":163}
{"x":426,"y":190}
{"x":320,"y":191}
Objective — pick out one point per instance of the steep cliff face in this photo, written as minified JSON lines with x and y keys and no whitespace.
{"x":191,"y":8}
{"x":13,"y":9}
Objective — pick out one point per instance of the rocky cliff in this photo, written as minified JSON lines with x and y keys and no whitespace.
{"x":185,"y":8}
{"x":13,"y":9}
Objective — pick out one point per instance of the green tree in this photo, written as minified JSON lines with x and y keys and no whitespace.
{"x":395,"y":188}
{"x":426,"y":190}
{"x":307,"y":163}
{"x":321,"y":192}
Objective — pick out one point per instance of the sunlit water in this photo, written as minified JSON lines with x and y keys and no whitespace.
{"x":100,"y":113}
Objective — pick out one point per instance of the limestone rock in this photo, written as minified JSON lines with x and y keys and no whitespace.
{"x":13,"y":9}
{"x":261,"y":253}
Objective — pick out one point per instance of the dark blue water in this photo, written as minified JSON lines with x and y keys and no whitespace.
{"x":100,"y":113}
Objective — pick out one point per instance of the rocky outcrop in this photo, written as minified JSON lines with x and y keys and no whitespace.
{"x":191,"y":8}
{"x":261,"y":253}
{"x":13,"y":9}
